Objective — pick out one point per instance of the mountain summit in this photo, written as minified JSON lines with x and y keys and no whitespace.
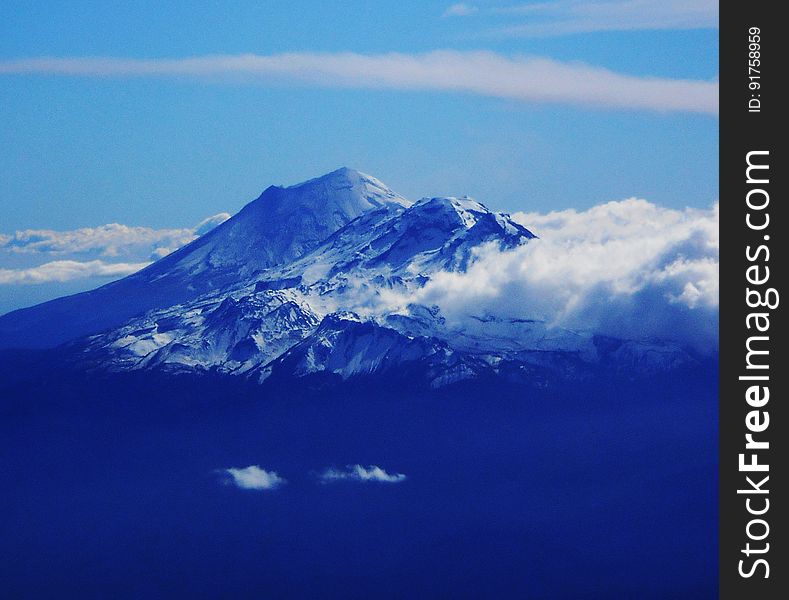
{"x":284,"y":223}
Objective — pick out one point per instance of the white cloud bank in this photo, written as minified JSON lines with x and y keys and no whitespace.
{"x":113,"y":239}
{"x":254,"y":478}
{"x":142,"y":244}
{"x":359,"y":473}
{"x":628,"y":269}
{"x":525,"y":79}
{"x":67,"y":270}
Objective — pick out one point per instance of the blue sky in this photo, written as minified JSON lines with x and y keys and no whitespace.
{"x":159,"y":146}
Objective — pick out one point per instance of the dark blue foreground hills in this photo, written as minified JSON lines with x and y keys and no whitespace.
{"x":112,"y":487}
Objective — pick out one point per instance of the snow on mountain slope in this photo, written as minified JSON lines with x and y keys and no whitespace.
{"x":346,"y":346}
{"x":279,"y":226}
{"x":394,"y":246}
{"x":233,"y":334}
{"x":388,"y":248}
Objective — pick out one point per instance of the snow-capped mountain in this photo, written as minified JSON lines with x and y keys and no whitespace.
{"x":314,"y":280}
{"x":279,"y":226}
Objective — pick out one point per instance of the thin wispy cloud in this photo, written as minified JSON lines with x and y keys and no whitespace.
{"x":460,"y":10}
{"x":253,"y":478}
{"x":566,"y":17}
{"x":361,"y":474}
{"x":516,"y":78}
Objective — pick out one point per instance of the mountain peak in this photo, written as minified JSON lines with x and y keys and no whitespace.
{"x":292,"y":234}
{"x":284,"y":223}
{"x":347,"y":190}
{"x":343,"y":173}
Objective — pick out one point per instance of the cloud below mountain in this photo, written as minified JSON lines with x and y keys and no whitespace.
{"x":519,"y":78}
{"x":361,"y":474}
{"x":254,"y":478}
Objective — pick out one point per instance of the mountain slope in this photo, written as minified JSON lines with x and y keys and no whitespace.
{"x":391,"y":249}
{"x":279,"y":226}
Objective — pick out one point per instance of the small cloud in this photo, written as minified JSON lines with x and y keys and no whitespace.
{"x":208,"y":224}
{"x":161,"y":252}
{"x":460,"y":10}
{"x":360,"y":473}
{"x":254,"y":478}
